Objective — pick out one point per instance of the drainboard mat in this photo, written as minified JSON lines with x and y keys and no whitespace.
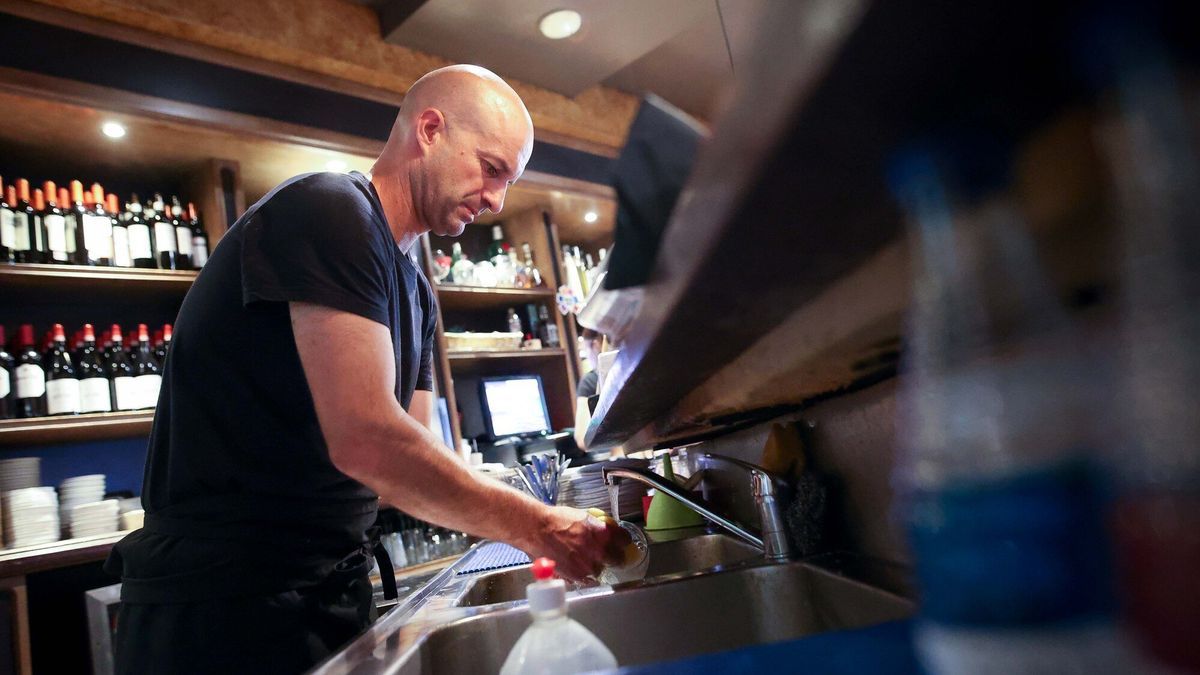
{"x":494,"y":556}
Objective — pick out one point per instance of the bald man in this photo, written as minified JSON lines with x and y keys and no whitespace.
{"x":297,"y":393}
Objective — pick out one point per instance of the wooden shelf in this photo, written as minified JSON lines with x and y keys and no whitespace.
{"x":78,"y":277}
{"x":65,"y":553}
{"x":87,"y":427}
{"x":476,"y":297}
{"x":457,"y":357}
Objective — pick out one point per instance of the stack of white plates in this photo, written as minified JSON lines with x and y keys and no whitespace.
{"x":79,"y":490}
{"x":89,"y":520}
{"x":585,"y":489}
{"x":19,"y":473}
{"x":30,"y":517}
{"x":133,"y":520}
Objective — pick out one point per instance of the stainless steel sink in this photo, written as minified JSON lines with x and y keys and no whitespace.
{"x":676,"y":618}
{"x":694,"y":554}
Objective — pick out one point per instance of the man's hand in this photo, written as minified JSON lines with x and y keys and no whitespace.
{"x":580,"y":544}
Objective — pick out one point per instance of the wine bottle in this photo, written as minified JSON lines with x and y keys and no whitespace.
{"x":146,"y":375}
{"x":163,"y":347}
{"x":38,"y":231}
{"x":24,"y":225}
{"x":55,"y":224}
{"x":8,"y":365}
{"x":120,"y":374}
{"x":120,"y":233}
{"x":514,"y":321}
{"x":8,"y":236}
{"x":100,"y":239}
{"x":164,"y":234}
{"x":141,"y":248}
{"x":549,"y":328}
{"x":95,"y":393}
{"x":30,"y":385}
{"x":183,"y":236}
{"x":62,"y":382}
{"x":76,"y":223}
{"x":71,"y":226}
{"x":533,"y":276}
{"x":199,"y":238}
{"x":497,"y":246}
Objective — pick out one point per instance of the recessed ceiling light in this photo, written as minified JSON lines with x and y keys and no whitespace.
{"x":335,"y":165}
{"x":590,"y":216}
{"x":561,"y":23}
{"x":112,"y":130}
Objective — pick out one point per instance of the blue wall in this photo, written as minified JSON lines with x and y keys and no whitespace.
{"x":121,"y":460}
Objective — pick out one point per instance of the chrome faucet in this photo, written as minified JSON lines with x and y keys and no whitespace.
{"x":773,"y":542}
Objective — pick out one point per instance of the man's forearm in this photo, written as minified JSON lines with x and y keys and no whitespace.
{"x":412,"y":470}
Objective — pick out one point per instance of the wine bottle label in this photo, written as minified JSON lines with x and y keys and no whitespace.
{"x":126,"y":393}
{"x":56,"y":233}
{"x":5,"y":384}
{"x":139,"y":242}
{"x":164,"y":237}
{"x":100,"y":244}
{"x":62,"y":396}
{"x":8,"y":236}
{"x":120,"y":241}
{"x":21,"y":232}
{"x":183,"y":236}
{"x":31,"y":381}
{"x":147,"y":390}
{"x":94,"y":395}
{"x":72,"y":225}
{"x":199,"y":252}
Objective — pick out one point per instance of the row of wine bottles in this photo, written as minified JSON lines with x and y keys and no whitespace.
{"x":86,"y":227}
{"x":92,"y":377}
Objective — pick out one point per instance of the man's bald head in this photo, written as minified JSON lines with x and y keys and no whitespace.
{"x":462,"y":136}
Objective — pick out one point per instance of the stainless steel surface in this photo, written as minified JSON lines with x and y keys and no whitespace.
{"x":680,"y":617}
{"x":696,"y":554}
{"x":767,"y":492}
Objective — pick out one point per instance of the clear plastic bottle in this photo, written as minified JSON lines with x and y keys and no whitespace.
{"x":555,"y":644}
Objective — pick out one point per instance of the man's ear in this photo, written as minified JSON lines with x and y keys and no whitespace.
{"x":431,"y":124}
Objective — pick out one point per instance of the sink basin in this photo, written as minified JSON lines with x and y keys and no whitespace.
{"x":676,"y":618}
{"x":704,"y":552}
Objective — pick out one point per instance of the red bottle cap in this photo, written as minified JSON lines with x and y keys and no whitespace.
{"x":39,"y":200}
{"x":167,"y":331}
{"x":59,"y":333}
{"x":543,"y":569}
{"x":51,"y":192}
{"x":191,"y":211}
{"x":115,"y":332}
{"x":10,"y":196}
{"x":89,"y":333}
{"x":143,"y":333}
{"x":158,"y":337}
{"x":25,"y":335}
{"x":76,"y":191}
{"x":98,"y":194}
{"x":23,"y":189}
{"x":63,"y":197}
{"x":112,"y":203}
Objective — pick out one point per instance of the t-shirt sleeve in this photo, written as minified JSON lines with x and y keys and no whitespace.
{"x":587,"y":384}
{"x":317,"y":241}
{"x":425,"y":377}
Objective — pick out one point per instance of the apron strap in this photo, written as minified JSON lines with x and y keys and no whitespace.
{"x":387,"y":573}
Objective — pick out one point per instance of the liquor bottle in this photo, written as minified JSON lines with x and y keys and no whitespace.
{"x":183,"y":236}
{"x":70,"y":226}
{"x":199,"y":238}
{"x":55,"y":224}
{"x":100,"y":237}
{"x":120,"y":374}
{"x":62,"y":382}
{"x":164,"y":234}
{"x":514,"y":321}
{"x":549,"y":333}
{"x":30,"y":381}
{"x":24,"y":223}
{"x":163,"y":346}
{"x":40,"y":246}
{"x":95,"y":393}
{"x":8,"y":235}
{"x":141,"y":248}
{"x":120,"y":233}
{"x":497,"y":246}
{"x":146,"y":375}
{"x":533,"y":277}
{"x":462,"y":269}
{"x":8,"y":365}
{"x":75,"y":211}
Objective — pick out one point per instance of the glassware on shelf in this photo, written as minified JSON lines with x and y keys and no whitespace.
{"x":441,"y":266}
{"x":462,"y":270}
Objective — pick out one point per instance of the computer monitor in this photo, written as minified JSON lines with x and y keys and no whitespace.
{"x":514,"y":405}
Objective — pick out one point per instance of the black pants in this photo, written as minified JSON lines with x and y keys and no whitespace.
{"x":287,"y":632}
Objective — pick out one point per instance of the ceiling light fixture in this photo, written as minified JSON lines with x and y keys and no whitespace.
{"x":590,"y":216}
{"x":335,"y":165}
{"x":112,"y":130}
{"x":560,"y":24}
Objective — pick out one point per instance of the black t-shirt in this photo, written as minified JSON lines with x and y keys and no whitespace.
{"x":587,"y":385}
{"x":236,"y":454}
